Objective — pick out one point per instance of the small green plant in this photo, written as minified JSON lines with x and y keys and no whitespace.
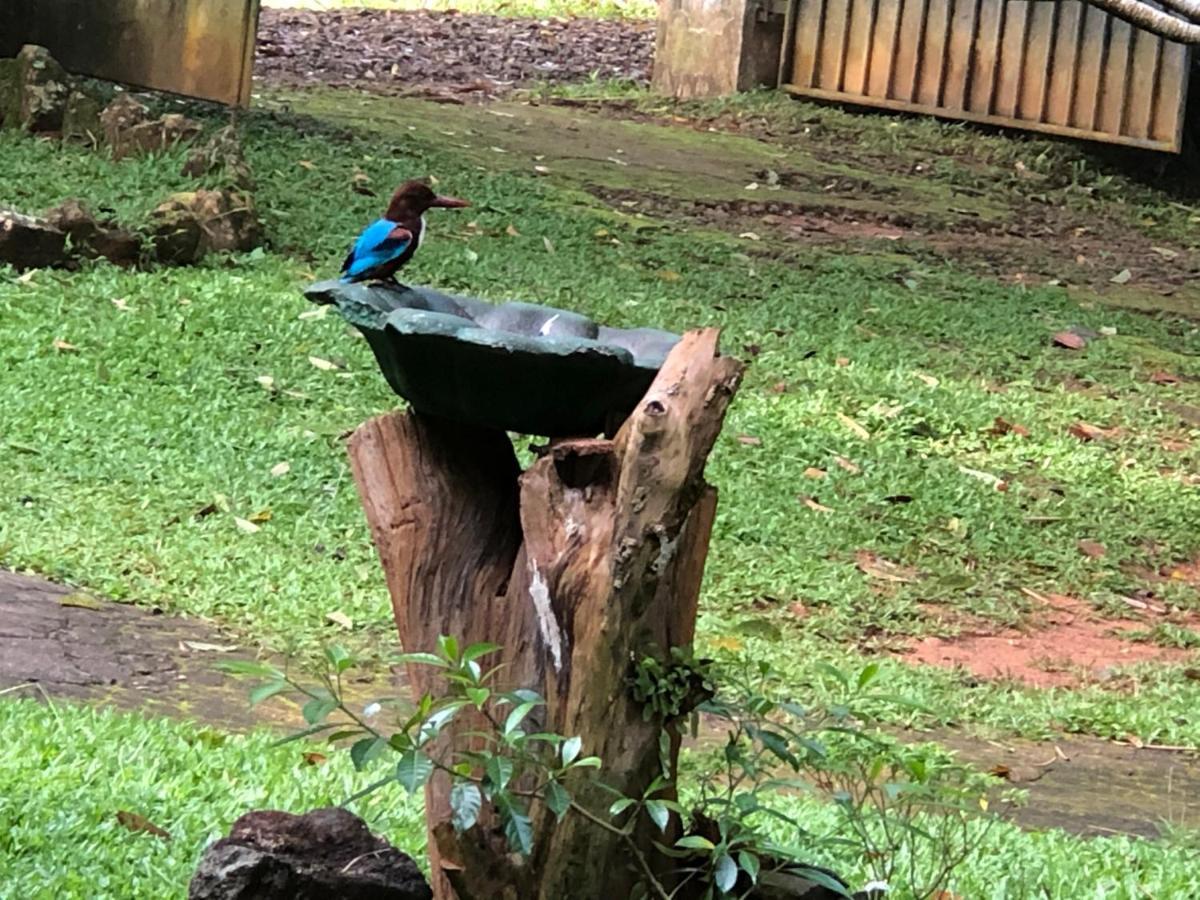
{"x":898,"y":804}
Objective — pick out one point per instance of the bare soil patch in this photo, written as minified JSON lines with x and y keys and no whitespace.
{"x":1066,"y":643}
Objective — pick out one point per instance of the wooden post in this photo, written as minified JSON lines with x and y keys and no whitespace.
{"x":590,"y":559}
{"x":712,"y":48}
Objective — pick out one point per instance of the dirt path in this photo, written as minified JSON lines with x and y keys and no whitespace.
{"x":1086,"y":785}
{"x":783,"y":196}
{"x":63,"y":643}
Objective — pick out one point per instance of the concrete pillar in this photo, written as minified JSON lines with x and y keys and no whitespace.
{"x":711,"y":48}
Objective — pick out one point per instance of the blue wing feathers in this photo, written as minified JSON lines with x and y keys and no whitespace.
{"x":376,"y":246}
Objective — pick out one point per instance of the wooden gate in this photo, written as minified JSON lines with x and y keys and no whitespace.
{"x":200,"y":48}
{"x":1060,"y":66}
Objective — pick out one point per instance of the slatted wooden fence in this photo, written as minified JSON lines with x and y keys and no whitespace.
{"x":1060,"y":66}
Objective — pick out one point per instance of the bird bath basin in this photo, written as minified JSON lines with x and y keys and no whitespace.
{"x":512,"y":366}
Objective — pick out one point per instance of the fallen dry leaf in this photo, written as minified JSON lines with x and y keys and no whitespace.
{"x":337,"y":617}
{"x":1002,"y":426}
{"x":323,"y":364}
{"x":727,"y":643}
{"x":986,"y":477}
{"x":928,"y":379}
{"x":202,"y":647}
{"x":1000,"y":771}
{"x":63,"y":347}
{"x":847,"y":465}
{"x":312,"y":758}
{"x":841,"y":362}
{"x":1086,"y":432}
{"x":779,"y":387}
{"x":669,"y":275}
{"x":1165,"y":252}
{"x":749,"y":440}
{"x":1091,"y":548}
{"x":548,"y":244}
{"x":511,"y":231}
{"x":135,"y":822}
{"x":1164,"y":378}
{"x":877,"y":567}
{"x":245,"y":525}
{"x":280,"y":469}
{"x":1174,"y":445}
{"x":814,"y":472}
{"x":263,"y":515}
{"x":1070,"y":340}
{"x":1122,"y":277}
{"x":811,"y":503}
{"x":81,"y":600}
{"x":306,"y":164}
{"x":854,"y":426}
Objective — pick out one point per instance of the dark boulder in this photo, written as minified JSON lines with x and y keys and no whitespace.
{"x":326,"y":854}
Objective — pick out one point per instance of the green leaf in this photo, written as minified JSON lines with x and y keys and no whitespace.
{"x":833,"y":671}
{"x":778,"y":745}
{"x":422,"y":659}
{"x":620,"y":806}
{"x":517,"y":827}
{"x":270,"y":689}
{"x":413,"y":770}
{"x":694,"y":842}
{"x":499,"y":770}
{"x":339,"y":657}
{"x":448,"y":648}
{"x":518,"y":715}
{"x":247,"y":667}
{"x":318,"y":709}
{"x":867,"y":675}
{"x":478,"y":696}
{"x":465,"y":803}
{"x":366,"y":750}
{"x":570,"y":749}
{"x":725,"y":874}
{"x":659,"y":814}
{"x":557,"y":799}
{"x":821,"y":878}
{"x":748,"y":863}
{"x":588,"y":762}
{"x":475,"y":651}
{"x":342,"y":735}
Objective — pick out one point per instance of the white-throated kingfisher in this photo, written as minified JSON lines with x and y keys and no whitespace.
{"x":389,"y":243}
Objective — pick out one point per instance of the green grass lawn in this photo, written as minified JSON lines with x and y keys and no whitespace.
{"x":77,"y":767}
{"x":184,"y":389}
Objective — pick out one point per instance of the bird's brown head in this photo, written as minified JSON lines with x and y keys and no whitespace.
{"x":413,"y":198}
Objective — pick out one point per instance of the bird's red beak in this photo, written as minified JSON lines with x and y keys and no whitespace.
{"x":450,"y":203}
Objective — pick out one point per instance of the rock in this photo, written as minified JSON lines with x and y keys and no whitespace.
{"x":91,"y":238}
{"x":189,"y":224}
{"x":221,"y":156}
{"x":27,"y":242}
{"x":129,"y":130}
{"x":10,"y":93}
{"x":175,"y":232}
{"x":81,"y":119}
{"x":229,"y":220}
{"x":43,"y":87}
{"x":323,"y":854}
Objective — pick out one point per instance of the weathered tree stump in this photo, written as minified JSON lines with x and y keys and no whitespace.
{"x":587,"y":561}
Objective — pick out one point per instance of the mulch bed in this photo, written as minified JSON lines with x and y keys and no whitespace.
{"x":410,"y":50}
